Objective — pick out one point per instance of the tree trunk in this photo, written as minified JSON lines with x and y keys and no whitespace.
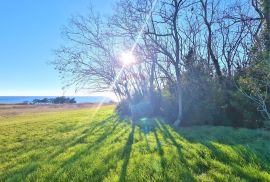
{"x":267,"y":20}
{"x":177,"y":61}
{"x":151,"y":89}
{"x":180,"y":106}
{"x":208,"y":24}
{"x":211,"y":53}
{"x":179,"y":97}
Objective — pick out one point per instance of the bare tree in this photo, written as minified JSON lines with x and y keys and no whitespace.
{"x":208,"y":10}
{"x":162,"y":34}
{"x":88,"y":60}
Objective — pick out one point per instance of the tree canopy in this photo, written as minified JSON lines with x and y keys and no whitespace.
{"x":194,"y":60}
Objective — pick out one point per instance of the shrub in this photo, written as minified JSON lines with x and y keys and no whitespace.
{"x":141,"y":109}
{"x":123,"y":109}
{"x":168,"y":105}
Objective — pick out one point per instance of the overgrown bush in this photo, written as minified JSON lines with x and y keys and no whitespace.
{"x":206,"y":101}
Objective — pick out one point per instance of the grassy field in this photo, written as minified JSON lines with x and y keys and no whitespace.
{"x":70,"y":145}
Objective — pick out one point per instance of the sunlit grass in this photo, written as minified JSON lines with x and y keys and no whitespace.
{"x":69,"y":146}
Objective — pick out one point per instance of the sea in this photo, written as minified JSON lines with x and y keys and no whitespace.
{"x":79,"y":99}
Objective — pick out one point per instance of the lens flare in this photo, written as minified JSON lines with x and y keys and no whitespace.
{"x":127,"y":58}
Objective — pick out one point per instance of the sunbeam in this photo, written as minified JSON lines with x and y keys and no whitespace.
{"x":130,"y":53}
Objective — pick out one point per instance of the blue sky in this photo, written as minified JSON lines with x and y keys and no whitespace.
{"x":29,"y":31}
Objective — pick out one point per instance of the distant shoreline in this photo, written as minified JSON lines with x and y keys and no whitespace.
{"x":24,"y":104}
{"x":25,"y":100}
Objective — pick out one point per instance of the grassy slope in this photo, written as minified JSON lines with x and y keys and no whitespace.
{"x":64,"y":146}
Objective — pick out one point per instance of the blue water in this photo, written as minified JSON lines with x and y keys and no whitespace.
{"x":79,"y":99}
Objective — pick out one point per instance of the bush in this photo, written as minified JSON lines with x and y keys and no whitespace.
{"x":206,"y":101}
{"x":123,"y":109}
{"x":141,"y":109}
{"x":136,"y":110}
{"x":168,"y":105}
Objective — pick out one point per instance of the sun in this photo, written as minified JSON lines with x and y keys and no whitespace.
{"x":127,"y":58}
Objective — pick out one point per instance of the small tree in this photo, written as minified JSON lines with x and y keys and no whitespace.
{"x":255,"y":85}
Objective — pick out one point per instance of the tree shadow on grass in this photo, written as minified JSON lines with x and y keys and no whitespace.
{"x":85,"y":133}
{"x":126,"y":154}
{"x":248,"y":143}
{"x":161,"y":154}
{"x":187,"y":173}
{"x":244,"y":161}
{"x":92,"y":147}
{"x":151,"y":126}
{"x":96,"y":144}
{"x":146,"y":124}
{"x":21,"y":173}
{"x":66,"y":144}
{"x":226,"y":148}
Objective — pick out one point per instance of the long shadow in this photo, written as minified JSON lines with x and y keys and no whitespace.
{"x":213,"y":134}
{"x":245,"y":153}
{"x":159,"y":146}
{"x":147,"y":142}
{"x":95,"y":126}
{"x":126,"y":154}
{"x":85,"y":133}
{"x":24,"y":171}
{"x":241,"y":146}
{"x":161,"y":154}
{"x":220,"y":156}
{"x":95,"y":146}
{"x":246,"y":156}
{"x":168,"y":134}
{"x":97,"y":142}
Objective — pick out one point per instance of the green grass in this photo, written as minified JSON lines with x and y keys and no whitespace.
{"x":69,"y":146}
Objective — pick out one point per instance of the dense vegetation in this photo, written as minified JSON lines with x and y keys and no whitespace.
{"x":198,"y":62}
{"x":75,"y":146}
{"x":56,"y":100}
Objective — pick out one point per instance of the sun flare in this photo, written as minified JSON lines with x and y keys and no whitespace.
{"x":127,"y":58}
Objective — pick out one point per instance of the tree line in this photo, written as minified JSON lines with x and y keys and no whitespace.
{"x":56,"y":100}
{"x":197,"y":61}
